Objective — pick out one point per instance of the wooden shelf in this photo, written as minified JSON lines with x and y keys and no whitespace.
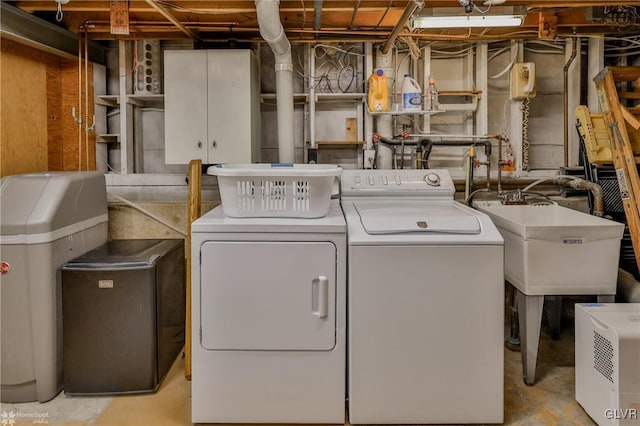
{"x":340,"y":97}
{"x":339,"y":144}
{"x":272,"y":96}
{"x":146,"y":100}
{"x":112,"y":101}
{"x":630,"y":95}
{"x":107,"y":138}
{"x":321,"y":97}
{"x":471,"y":95}
{"x":420,"y":112}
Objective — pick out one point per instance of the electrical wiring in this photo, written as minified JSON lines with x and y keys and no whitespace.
{"x":59,"y":14}
{"x":550,"y":52}
{"x":336,"y":72}
{"x":525,"y":134}
{"x":627,"y":39}
{"x":482,"y":11}
{"x":304,"y":15}
{"x":547,"y":43}
{"x":348,"y":52}
{"x":507,"y":68}
{"x":622,"y":55}
{"x":135,"y":54}
{"x":498,"y":53}
{"x":447,"y":52}
{"x":191,"y":10}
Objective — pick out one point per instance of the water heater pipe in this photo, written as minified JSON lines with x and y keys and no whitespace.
{"x":273,"y":33}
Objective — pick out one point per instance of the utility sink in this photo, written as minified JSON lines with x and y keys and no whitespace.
{"x":554,"y":250}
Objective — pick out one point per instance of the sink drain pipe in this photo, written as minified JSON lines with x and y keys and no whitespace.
{"x":628,"y":287}
{"x":576,"y":183}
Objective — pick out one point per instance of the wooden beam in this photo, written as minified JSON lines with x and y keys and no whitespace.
{"x":195,"y":211}
{"x":164,"y":12}
{"x":623,"y":156}
{"x":630,"y":118}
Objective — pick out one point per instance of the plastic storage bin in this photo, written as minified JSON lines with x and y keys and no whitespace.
{"x":123,"y":316}
{"x":275,"y":190}
{"x":47,"y":219}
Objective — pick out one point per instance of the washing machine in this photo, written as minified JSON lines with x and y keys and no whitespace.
{"x":425,"y":302}
{"x":269,"y":319}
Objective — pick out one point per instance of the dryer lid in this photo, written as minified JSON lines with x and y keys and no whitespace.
{"x":403,"y":217}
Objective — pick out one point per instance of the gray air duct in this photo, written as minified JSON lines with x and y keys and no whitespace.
{"x":273,"y":33}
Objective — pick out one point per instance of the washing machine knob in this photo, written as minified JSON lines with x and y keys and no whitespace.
{"x":432,"y":179}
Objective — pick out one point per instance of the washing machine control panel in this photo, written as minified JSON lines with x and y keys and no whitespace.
{"x":427,"y":182}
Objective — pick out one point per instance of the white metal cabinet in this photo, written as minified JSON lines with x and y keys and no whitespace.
{"x":212,"y":109}
{"x":245,"y":283}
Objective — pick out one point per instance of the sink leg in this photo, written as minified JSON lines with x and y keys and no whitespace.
{"x":530,"y":317}
{"x":554,"y":312}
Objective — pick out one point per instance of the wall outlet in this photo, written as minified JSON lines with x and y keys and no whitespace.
{"x":369,"y":156}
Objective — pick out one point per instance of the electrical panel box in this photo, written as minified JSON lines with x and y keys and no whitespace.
{"x":523,"y":81}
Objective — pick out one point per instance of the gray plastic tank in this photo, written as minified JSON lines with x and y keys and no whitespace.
{"x":46,"y":219}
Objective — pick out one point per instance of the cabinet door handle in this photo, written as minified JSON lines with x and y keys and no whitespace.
{"x":199,"y":144}
{"x":214,"y":144}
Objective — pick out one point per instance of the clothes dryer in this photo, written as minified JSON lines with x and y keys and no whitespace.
{"x":269,"y":319}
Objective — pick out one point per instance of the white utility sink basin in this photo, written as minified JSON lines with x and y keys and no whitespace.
{"x":554,"y":250}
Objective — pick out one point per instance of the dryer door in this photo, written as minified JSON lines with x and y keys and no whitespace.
{"x":268,"y":295}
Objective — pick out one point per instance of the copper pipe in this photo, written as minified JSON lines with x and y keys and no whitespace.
{"x":167,"y":24}
{"x":408,"y":11}
{"x":171,"y":18}
{"x":86,"y":98}
{"x":79,"y":115}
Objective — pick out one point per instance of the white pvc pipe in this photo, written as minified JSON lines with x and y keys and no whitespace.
{"x":273,"y":33}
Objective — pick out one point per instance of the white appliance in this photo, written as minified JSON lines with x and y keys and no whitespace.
{"x":269,"y":319}
{"x":553,"y":250}
{"x":425,"y":302}
{"x":608,"y":362}
{"x":46,"y":219}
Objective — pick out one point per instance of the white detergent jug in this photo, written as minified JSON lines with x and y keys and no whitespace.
{"x":411,"y":94}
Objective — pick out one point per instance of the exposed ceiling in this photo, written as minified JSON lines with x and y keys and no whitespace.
{"x":359,"y":20}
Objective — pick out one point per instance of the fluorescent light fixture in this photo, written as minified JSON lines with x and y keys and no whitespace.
{"x":466,"y":21}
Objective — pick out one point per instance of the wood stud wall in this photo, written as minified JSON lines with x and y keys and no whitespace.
{"x":38,"y":132}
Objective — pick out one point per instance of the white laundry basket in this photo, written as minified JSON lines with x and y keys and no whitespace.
{"x":275,"y":190}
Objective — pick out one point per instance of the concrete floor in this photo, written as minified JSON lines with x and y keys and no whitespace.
{"x":549,"y":402}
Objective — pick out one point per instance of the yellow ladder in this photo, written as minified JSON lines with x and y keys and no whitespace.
{"x":620,"y":122}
